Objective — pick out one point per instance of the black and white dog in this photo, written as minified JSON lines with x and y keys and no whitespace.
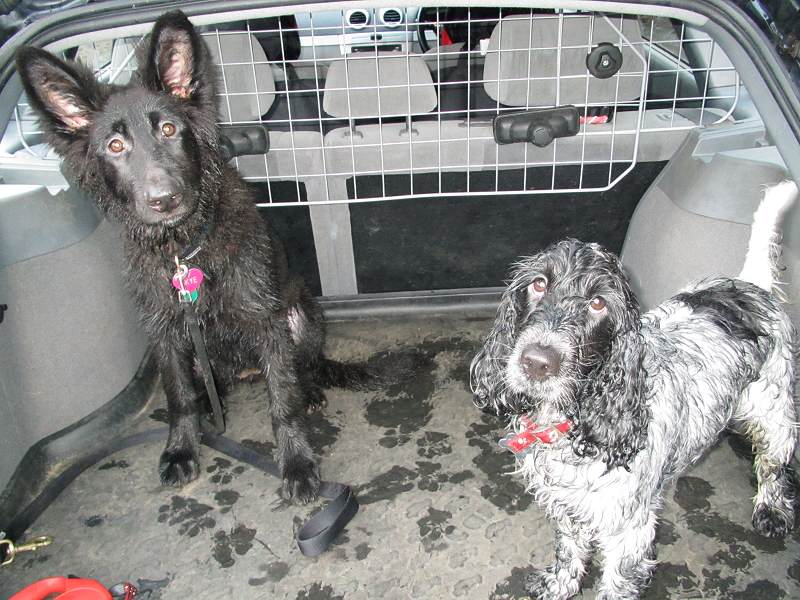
{"x":148,"y":155}
{"x":609,"y":404}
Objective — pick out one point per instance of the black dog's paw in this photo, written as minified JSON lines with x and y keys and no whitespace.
{"x":300,"y":480}
{"x":771,"y":521}
{"x":316,"y":401}
{"x":178,"y":467}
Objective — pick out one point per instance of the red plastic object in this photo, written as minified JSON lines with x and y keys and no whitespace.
{"x":66,"y":588}
{"x":446,"y":40}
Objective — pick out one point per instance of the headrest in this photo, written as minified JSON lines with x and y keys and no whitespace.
{"x":122,"y":62}
{"x":358,"y":77}
{"x":244,"y":81}
{"x":522,"y":61}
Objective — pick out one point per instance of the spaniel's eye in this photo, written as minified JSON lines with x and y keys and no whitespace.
{"x":539,"y":285}
{"x":116,"y":145}
{"x":597,"y":304}
{"x":168,"y":129}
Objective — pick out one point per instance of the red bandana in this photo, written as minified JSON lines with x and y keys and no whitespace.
{"x":532,"y":433}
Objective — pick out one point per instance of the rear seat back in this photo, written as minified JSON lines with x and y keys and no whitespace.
{"x":540,"y":60}
{"x":247,"y":91}
{"x":386,"y":84}
{"x":527,"y":66}
{"x":246,"y":83}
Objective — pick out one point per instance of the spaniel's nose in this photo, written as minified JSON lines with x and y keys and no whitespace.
{"x":540,"y":362}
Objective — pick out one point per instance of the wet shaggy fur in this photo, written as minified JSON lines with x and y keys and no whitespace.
{"x":148,"y":155}
{"x":647,"y":396}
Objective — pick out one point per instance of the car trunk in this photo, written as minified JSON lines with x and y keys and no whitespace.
{"x":403,"y":210}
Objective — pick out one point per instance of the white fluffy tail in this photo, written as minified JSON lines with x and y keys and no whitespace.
{"x":764,"y":250}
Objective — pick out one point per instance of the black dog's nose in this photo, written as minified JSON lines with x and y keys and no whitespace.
{"x":163,"y":193}
{"x":164,"y":203}
{"x":540,"y":362}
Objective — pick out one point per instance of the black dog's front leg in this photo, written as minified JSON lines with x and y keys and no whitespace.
{"x":300,"y":472}
{"x":179,"y":463}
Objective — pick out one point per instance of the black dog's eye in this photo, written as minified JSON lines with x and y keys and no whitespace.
{"x":168,"y":129}
{"x":116,"y":145}
{"x":539,"y":285}
{"x":597,"y":304}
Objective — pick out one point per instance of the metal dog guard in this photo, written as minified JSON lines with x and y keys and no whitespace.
{"x":336,"y":146}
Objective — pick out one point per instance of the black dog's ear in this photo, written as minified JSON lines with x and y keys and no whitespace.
{"x":611,"y":415}
{"x":177,"y":61}
{"x":486,"y":372}
{"x":65,"y":96}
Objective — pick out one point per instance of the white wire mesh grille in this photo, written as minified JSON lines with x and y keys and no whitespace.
{"x":366,"y":114}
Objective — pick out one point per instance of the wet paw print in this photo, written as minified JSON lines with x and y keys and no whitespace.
{"x":238,"y":540}
{"x":392,"y":438}
{"x":318,"y":591}
{"x":433,"y":528}
{"x":226,"y":499}
{"x":505,"y":491}
{"x":434,"y":443}
{"x":222,"y":471}
{"x":432,"y":477}
{"x":191,"y":516}
{"x":274,"y":572}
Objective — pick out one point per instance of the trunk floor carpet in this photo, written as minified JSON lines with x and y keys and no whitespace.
{"x":441,"y":515}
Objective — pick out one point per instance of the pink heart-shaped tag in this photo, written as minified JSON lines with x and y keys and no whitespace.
{"x":191,"y":282}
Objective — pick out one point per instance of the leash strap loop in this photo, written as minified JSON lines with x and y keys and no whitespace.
{"x":318,"y":533}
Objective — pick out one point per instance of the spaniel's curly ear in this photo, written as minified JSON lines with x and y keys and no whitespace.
{"x":486,"y":372}
{"x":612,"y":415}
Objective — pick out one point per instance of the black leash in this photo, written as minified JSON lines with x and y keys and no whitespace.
{"x":313,"y":538}
{"x":205,"y":366}
{"x":317,"y":534}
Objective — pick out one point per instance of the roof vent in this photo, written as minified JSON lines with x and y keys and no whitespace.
{"x":357,"y":19}
{"x":391,"y":17}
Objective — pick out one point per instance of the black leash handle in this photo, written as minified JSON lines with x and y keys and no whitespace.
{"x":318,"y":533}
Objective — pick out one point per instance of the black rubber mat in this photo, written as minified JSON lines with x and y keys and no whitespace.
{"x":461,"y":241}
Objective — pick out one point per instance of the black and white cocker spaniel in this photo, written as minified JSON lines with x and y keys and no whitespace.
{"x":608,"y":404}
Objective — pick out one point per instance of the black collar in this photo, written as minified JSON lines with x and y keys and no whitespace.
{"x":192,"y":248}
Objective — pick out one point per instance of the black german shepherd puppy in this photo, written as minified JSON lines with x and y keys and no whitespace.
{"x":148,"y":155}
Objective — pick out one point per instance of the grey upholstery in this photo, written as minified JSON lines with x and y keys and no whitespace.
{"x":71,"y":340}
{"x":246,"y":83}
{"x":352,"y":83}
{"x":525,"y":68}
{"x":694,"y":222}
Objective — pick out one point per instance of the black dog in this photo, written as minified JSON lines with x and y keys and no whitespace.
{"x":148,"y":154}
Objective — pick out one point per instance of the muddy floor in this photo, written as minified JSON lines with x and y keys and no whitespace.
{"x":441,"y":515}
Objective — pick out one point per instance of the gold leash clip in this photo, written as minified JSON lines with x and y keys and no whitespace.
{"x":13,"y":549}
